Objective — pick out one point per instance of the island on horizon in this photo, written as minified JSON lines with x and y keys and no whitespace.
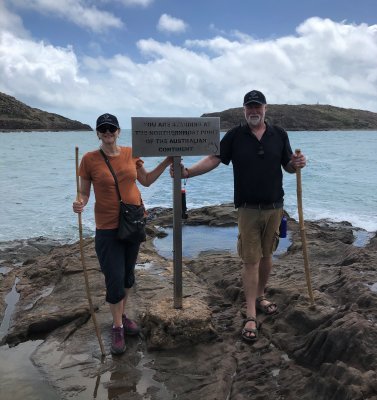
{"x":17,"y":116}
{"x":305,"y":117}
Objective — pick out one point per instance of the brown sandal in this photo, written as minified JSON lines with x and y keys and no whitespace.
{"x":266,"y":309}
{"x":245,"y":331}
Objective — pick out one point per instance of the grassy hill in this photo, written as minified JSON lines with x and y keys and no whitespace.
{"x":305,"y":118}
{"x":17,"y":116}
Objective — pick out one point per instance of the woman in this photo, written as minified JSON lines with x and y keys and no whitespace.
{"x":116,"y":258}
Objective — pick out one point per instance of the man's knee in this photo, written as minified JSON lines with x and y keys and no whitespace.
{"x":253,"y":266}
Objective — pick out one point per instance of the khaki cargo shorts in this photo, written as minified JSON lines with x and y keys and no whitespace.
{"x":258,"y":233}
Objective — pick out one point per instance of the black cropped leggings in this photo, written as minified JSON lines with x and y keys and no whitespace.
{"x":117,"y":260}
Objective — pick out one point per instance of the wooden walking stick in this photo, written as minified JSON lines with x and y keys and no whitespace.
{"x":302,"y":231}
{"x":83,"y":260}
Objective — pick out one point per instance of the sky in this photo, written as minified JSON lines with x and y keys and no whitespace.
{"x":183,"y":58}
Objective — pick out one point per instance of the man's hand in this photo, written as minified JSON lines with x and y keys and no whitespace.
{"x":298,"y":160}
{"x":184,"y":171}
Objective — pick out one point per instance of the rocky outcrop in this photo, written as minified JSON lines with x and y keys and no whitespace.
{"x":303,"y":117}
{"x":17,"y":116}
{"x":324,"y":351}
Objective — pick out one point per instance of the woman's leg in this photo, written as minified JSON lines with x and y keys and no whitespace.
{"x":131,"y":254}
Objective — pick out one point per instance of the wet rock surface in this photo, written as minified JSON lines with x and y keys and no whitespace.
{"x":326,"y":351}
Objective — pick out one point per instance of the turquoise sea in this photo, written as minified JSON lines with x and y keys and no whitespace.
{"x":38,"y":184}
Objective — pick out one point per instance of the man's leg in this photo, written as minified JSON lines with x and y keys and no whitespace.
{"x":272,"y":219}
{"x":265,"y":267}
{"x":250,"y":279}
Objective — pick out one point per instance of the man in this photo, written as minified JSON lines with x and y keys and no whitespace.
{"x":257,"y":151}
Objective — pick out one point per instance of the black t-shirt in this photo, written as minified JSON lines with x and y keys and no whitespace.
{"x":257,"y":172}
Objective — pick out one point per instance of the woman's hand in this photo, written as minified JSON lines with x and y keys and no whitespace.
{"x":83,"y":197}
{"x":78,"y":207}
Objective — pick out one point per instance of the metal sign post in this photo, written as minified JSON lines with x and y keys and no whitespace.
{"x":177,"y":233}
{"x":176,"y":137}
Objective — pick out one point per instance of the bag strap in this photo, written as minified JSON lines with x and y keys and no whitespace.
{"x":115,"y":177}
{"x":112,"y":173}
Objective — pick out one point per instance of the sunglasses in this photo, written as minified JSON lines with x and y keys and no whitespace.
{"x":260,"y":151}
{"x":105,"y":128}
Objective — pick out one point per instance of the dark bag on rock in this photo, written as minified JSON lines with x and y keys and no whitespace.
{"x":131,"y":223}
{"x":131,"y":217}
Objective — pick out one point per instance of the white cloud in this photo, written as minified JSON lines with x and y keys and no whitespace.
{"x":142,"y":3}
{"x":38,"y":70}
{"x":326,"y":62}
{"x":76,"y":11}
{"x":10,"y":21}
{"x":170,"y":24}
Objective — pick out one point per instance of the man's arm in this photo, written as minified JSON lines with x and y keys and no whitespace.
{"x":201,"y":167}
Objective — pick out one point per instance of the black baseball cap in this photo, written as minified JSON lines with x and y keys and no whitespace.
{"x":255,"y":96}
{"x":107,"y":119}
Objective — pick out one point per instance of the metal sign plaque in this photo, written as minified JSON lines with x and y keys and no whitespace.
{"x":175,"y":136}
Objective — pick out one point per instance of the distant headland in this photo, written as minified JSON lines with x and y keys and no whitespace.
{"x":17,"y":116}
{"x":305,"y":117}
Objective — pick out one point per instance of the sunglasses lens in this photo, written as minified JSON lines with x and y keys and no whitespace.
{"x":105,"y":128}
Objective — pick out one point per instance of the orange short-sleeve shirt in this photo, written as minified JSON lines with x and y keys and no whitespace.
{"x":94,"y":169}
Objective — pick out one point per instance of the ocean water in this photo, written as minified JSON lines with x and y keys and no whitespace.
{"x":38,"y":183}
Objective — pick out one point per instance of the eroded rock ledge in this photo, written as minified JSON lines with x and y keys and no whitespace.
{"x":322,"y":352}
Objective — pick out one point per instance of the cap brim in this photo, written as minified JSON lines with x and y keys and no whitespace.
{"x":107,"y":123}
{"x":253,"y":101}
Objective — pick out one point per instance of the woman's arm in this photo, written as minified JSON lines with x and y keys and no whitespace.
{"x":84,"y":193}
{"x":146,"y":178}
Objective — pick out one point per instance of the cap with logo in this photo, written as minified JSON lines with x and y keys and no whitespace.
{"x":107,"y":119}
{"x":255,"y":96}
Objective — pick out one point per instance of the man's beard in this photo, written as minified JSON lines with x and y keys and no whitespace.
{"x":254,"y":120}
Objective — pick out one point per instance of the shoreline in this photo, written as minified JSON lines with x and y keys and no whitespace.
{"x":214,"y":220}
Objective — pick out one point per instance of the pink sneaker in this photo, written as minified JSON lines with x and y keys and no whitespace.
{"x":130,"y":327}
{"x":118,"y":345}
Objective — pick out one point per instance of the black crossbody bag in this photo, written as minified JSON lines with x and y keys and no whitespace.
{"x":131,"y":217}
